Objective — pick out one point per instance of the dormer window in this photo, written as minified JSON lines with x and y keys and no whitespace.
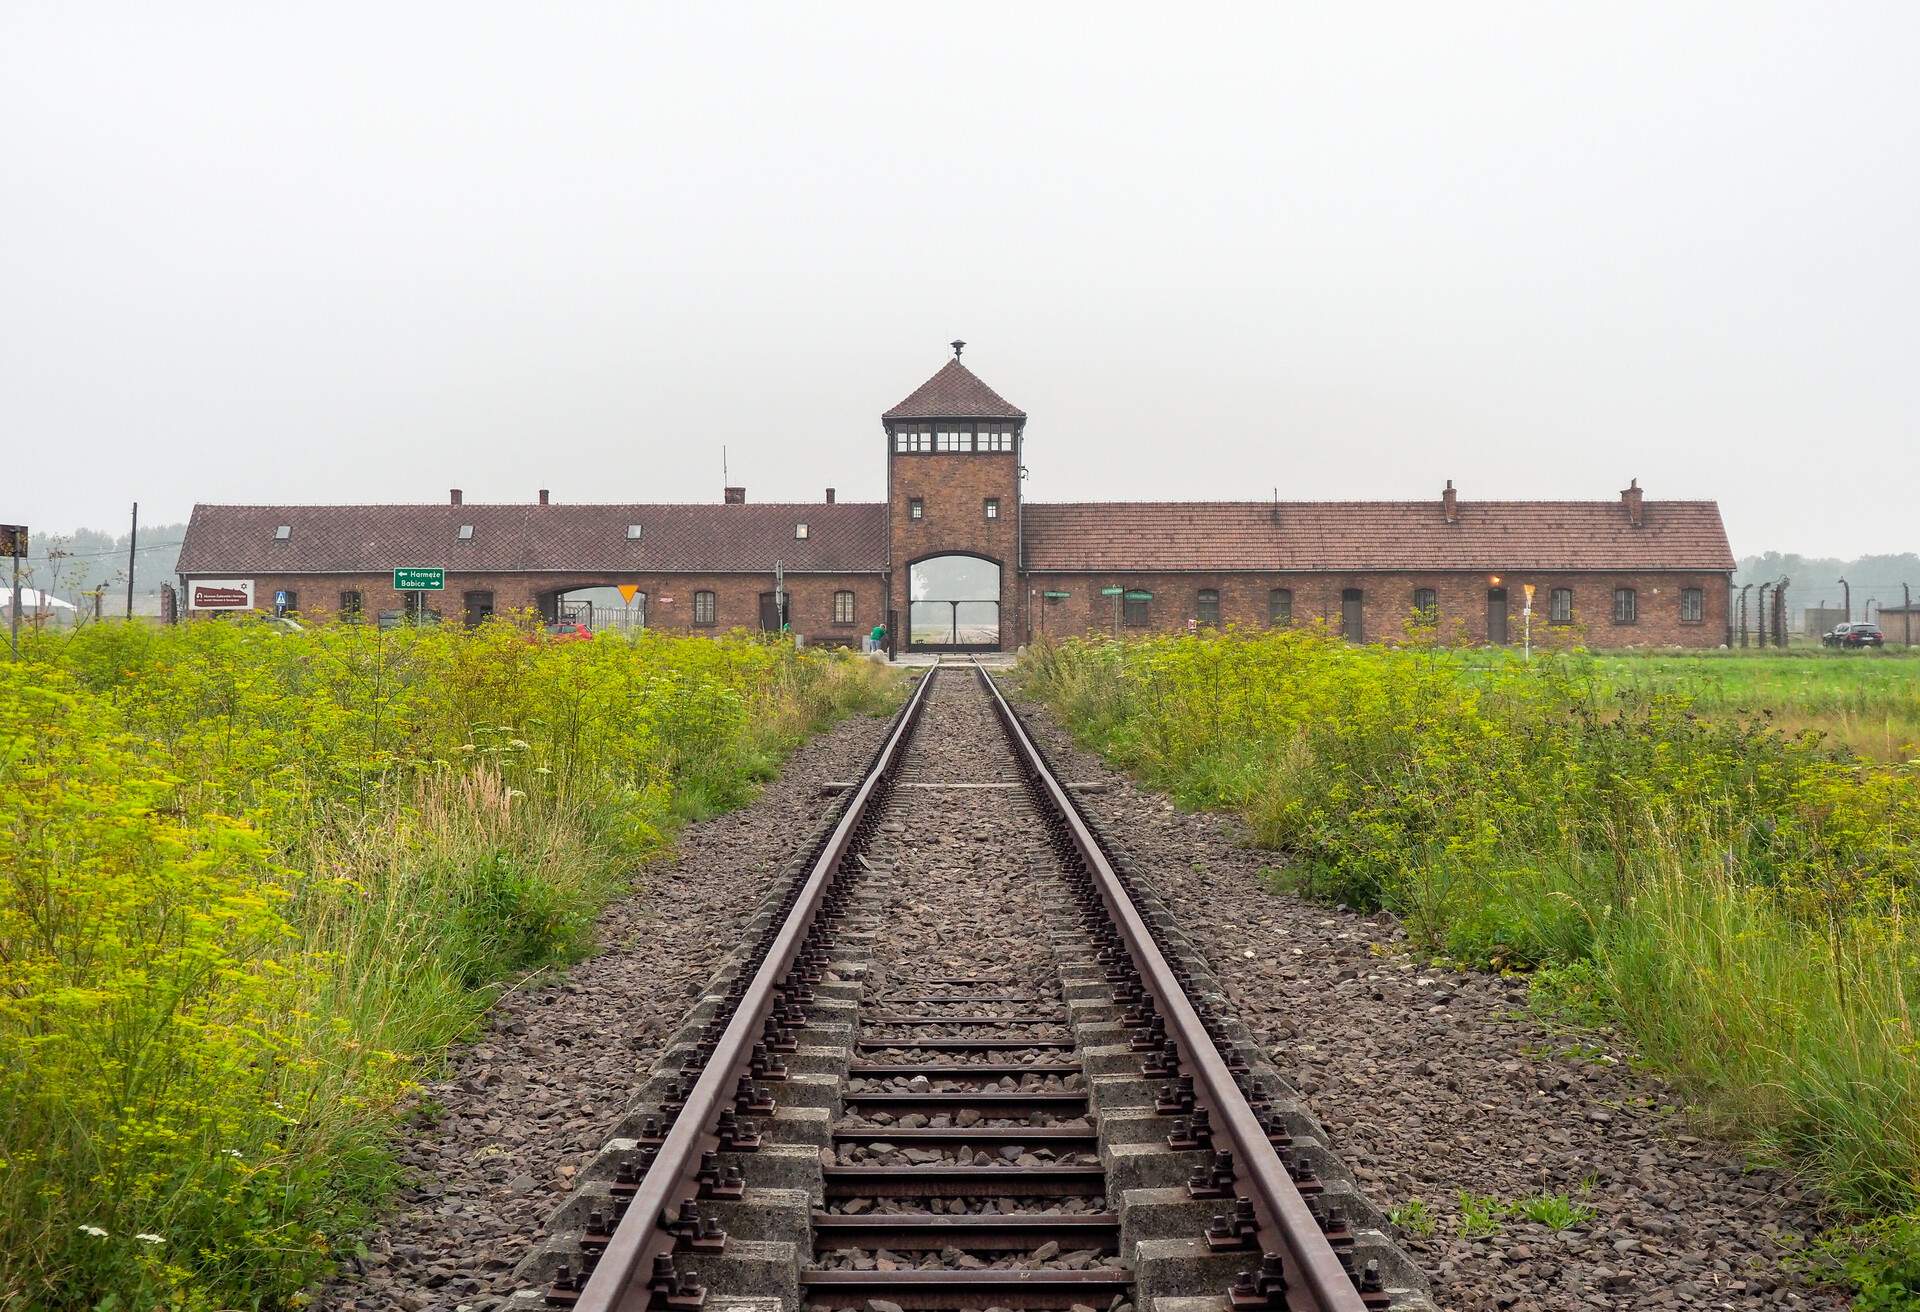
{"x":466,"y":532}
{"x":282,"y":533}
{"x":799,"y":531}
{"x":633,"y":532}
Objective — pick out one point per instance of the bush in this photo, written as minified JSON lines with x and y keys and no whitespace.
{"x":250,"y":883}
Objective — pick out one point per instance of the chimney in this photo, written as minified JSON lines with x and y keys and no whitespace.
{"x":829,"y":496}
{"x":1450,"y":504}
{"x":1630,"y":498}
{"x":736,"y":496}
{"x":454,"y":497}
{"x":543,"y":496}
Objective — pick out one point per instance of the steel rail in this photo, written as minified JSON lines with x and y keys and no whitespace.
{"x":1286,"y":1224}
{"x":619,"y":1282}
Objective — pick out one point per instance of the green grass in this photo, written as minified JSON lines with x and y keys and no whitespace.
{"x":252,"y":884}
{"x":1684,"y":845}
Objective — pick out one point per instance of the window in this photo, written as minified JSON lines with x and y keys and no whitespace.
{"x":1353,"y":614}
{"x":351,"y":606}
{"x":633,"y":532}
{"x":1280,"y":607}
{"x":799,"y":532}
{"x":996,"y":437}
{"x":1626,"y":606}
{"x":843,"y":607}
{"x":1693,"y":605}
{"x":466,"y":532}
{"x":1133,"y":610}
{"x":913,"y":437}
{"x":993,"y":507}
{"x":479,"y":608}
{"x":282,"y":533}
{"x":916,"y":508}
{"x":953,"y":440}
{"x":1426,"y":606}
{"x":1560,"y":606}
{"x":703,"y":608}
{"x":1206,"y":606}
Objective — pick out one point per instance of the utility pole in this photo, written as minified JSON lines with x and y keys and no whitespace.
{"x":133,"y":540}
{"x":1846,"y":599}
{"x":13,"y":541}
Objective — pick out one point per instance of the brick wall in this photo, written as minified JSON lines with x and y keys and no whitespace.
{"x":1387,"y":604}
{"x":953,"y":488}
{"x":669,"y":597}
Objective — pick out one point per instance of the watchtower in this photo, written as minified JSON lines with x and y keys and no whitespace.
{"x":953,"y":511}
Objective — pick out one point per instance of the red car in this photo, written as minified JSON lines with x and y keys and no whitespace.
{"x":566,"y":631}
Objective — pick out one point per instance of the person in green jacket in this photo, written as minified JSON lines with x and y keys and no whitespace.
{"x":877,"y":640}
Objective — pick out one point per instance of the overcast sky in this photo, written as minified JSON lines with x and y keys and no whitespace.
{"x":341,"y":252}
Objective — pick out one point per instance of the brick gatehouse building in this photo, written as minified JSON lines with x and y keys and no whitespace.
{"x":956,"y":559}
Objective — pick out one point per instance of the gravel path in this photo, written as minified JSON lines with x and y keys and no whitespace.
{"x":1430,"y":1086}
{"x":534,"y":1098}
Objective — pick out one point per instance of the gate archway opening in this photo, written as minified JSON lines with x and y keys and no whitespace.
{"x":953,"y":604}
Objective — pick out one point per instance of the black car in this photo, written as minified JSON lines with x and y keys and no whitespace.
{"x":1855,"y":635}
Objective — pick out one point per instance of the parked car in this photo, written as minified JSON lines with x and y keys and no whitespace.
{"x":565,"y":631}
{"x":1855,"y":635}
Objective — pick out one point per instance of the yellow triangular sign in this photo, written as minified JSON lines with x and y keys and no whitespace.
{"x":627,"y":591}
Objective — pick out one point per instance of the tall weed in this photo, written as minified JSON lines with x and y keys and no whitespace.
{"x":250,"y":883}
{"x":1741,"y":896}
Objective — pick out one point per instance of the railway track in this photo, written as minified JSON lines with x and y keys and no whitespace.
{"x":963,"y":1061}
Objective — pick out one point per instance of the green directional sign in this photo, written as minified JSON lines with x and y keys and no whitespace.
{"x":1056,"y":596}
{"x":1139,"y":594}
{"x":1111,"y":592}
{"x":418,"y":579}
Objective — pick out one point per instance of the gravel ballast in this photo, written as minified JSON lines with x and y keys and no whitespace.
{"x":1432,"y":1083}
{"x":531,"y":1100}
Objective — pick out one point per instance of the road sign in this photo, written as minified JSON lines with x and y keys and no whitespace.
{"x":1139,"y":594}
{"x":1056,"y":596}
{"x":419,"y":579}
{"x":13,"y":540}
{"x":1111,"y":592}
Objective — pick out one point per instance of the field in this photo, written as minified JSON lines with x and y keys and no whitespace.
{"x":252,"y":883}
{"x":1716,"y":853}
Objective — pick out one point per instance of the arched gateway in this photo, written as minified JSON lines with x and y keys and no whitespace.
{"x":954,"y":603}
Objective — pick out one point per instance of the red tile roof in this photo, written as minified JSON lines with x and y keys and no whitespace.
{"x":842,"y":538}
{"x":955,"y":392}
{"x":1372,"y":535}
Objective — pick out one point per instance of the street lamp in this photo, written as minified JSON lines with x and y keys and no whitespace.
{"x":1846,"y":599}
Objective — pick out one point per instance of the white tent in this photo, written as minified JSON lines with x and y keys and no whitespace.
{"x":32,"y":601}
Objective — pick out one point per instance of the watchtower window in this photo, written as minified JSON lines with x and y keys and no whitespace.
{"x":953,"y":439}
{"x":913,"y":437}
{"x":996,"y":437}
